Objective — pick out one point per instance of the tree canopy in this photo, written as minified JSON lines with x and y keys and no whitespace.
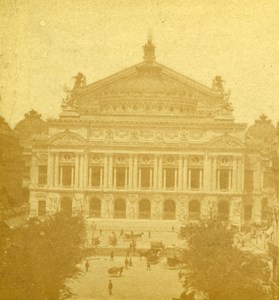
{"x":40,"y":257}
{"x":220,"y":270}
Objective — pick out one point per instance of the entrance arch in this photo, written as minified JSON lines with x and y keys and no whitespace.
{"x":66,"y":206}
{"x":223,"y":210}
{"x":95,"y":208}
{"x":169,"y":210}
{"x":119,"y":209}
{"x":144,"y":209}
{"x":194,"y":210}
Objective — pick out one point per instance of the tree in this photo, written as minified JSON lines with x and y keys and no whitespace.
{"x":217,"y":268}
{"x":41,"y":257}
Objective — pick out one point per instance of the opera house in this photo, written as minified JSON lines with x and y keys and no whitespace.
{"x":146,"y":143}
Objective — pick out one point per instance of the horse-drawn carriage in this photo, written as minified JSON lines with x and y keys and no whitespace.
{"x":174,"y":256}
{"x":150,"y":254}
{"x":116,"y":271}
{"x":132,"y":236}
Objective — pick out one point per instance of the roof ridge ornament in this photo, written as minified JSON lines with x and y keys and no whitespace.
{"x":149,"y":51}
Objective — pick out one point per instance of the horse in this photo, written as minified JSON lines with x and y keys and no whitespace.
{"x":116,"y":270}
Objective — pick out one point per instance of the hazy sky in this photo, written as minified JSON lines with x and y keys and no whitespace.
{"x":44,"y":43}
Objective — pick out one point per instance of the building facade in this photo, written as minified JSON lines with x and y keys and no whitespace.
{"x":10,"y":171}
{"x":145,"y":143}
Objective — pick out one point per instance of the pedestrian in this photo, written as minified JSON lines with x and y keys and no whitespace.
{"x":172,"y":228}
{"x":87,"y":265}
{"x":100,"y":231}
{"x":130,"y":262}
{"x":126,"y":263}
{"x":121,"y":233}
{"x":110,"y":287}
{"x":111,"y":256}
{"x":149,"y":234}
{"x":148,"y":266}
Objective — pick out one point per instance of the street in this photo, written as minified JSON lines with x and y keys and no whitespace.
{"x":135,"y":283}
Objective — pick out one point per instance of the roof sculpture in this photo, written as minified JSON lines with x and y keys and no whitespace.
{"x":146,"y":88}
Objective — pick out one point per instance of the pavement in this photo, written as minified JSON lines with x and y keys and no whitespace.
{"x":135,"y":283}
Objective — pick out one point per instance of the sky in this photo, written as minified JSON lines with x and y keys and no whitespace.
{"x":43,"y":44}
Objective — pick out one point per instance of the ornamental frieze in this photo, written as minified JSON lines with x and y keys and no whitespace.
{"x":67,"y":138}
{"x":96,"y":159}
{"x":67,"y":157}
{"x":120,"y":159}
{"x":225,"y":161}
{"x":41,"y":157}
{"x":146,"y":160}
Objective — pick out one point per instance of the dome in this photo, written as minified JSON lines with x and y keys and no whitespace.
{"x":262,"y":130}
{"x":31,"y":125}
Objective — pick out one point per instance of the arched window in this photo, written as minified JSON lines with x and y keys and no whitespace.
{"x":95,"y":208}
{"x":194,"y":210}
{"x":144,"y":209}
{"x":223,"y":210}
{"x":66,"y":206}
{"x":169,"y":210}
{"x":119,"y":209}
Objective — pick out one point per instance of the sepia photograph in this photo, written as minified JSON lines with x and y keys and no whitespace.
{"x":139,"y":150}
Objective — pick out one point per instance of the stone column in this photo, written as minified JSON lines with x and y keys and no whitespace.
{"x":130,"y":181}
{"x":160,"y":173}
{"x":206,"y":173}
{"x":77,"y":170}
{"x":81,"y":171}
{"x":126,"y":177}
{"x":155,"y":173}
{"x":110,"y":170}
{"x":90,"y":177}
{"x":56,"y":169}
{"x":240,"y":174}
{"x":34,"y":170}
{"x":85,"y":171}
{"x":180,"y":173}
{"x":213,"y":173}
{"x":50,"y":172}
{"x":175,"y":179}
{"x":106,"y":171}
{"x":164,"y":178}
{"x":185,"y":172}
{"x":139,"y":183}
{"x":234,"y":175}
{"x":135,"y":173}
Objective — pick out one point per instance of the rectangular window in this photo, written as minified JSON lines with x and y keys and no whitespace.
{"x":247,"y":212}
{"x":42,"y":175}
{"x":170,"y":174}
{"x":224,"y":177}
{"x":249,"y":180}
{"x":96,"y":176}
{"x":26,"y":172}
{"x":145,"y":178}
{"x":267,"y":181}
{"x":67,"y":175}
{"x":41,"y":208}
{"x":120,"y":177}
{"x":195,"y":176}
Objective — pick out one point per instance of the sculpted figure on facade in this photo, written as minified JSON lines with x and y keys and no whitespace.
{"x":132,"y":206}
{"x":52,"y":203}
{"x":80,"y":81}
{"x":108,"y":201}
{"x":157,"y":212}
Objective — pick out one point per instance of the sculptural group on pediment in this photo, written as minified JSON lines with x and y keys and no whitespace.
{"x":69,"y":101}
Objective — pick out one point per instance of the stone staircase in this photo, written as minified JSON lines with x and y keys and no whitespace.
{"x":135,"y":225}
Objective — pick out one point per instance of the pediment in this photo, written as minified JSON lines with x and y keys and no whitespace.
{"x":147,"y":81}
{"x":66,"y":138}
{"x":226,"y":142}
